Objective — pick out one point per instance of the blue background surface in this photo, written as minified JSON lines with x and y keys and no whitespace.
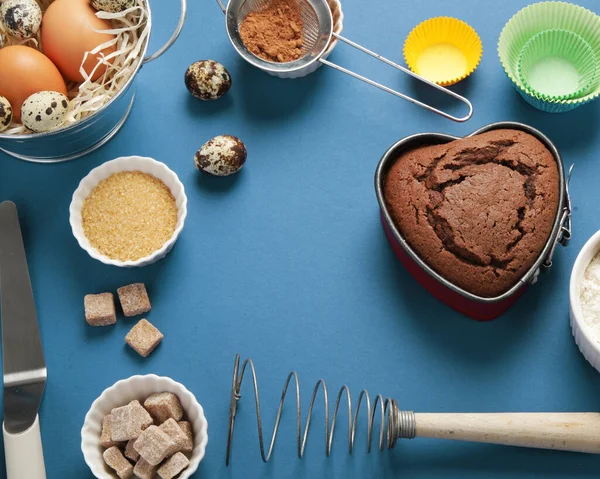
{"x":286,"y":262}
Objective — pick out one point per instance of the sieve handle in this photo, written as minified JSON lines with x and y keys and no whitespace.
{"x":173,"y":38}
{"x":222,"y":5}
{"x":394,"y":92}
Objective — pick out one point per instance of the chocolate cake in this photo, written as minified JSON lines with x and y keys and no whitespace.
{"x":478,"y":210}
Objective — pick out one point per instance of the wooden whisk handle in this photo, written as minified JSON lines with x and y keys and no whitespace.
{"x":577,"y":432}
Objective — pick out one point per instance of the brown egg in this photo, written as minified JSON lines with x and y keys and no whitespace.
{"x":68,"y":33}
{"x":26,"y":71}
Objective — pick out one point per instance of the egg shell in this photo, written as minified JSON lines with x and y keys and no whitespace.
{"x":25,"y":71}
{"x":207,"y":80}
{"x":68,"y":33}
{"x":113,"y":6}
{"x":5,"y":113}
{"x":21,"y":18}
{"x":44,"y":111}
{"x":222,"y":156}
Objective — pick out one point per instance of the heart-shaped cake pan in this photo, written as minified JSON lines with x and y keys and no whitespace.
{"x":476,"y":307}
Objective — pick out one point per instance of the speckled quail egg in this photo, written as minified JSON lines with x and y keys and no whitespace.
{"x":113,"y":6}
{"x":224,"y":155}
{"x":207,"y":80}
{"x":5,"y":113}
{"x":21,"y":18}
{"x":44,"y":111}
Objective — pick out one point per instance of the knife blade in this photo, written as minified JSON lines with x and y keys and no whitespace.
{"x":24,"y":366}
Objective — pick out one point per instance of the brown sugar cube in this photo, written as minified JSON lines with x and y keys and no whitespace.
{"x":130,"y":452}
{"x":120,"y":424}
{"x":134,"y":299}
{"x":186,"y":427}
{"x":163,"y":406}
{"x":100,"y":309}
{"x":140,"y":416}
{"x":143,"y":338}
{"x":105,"y":439}
{"x":115,"y":460}
{"x":129,"y":421}
{"x":173,"y":466}
{"x":143,"y":470}
{"x":154,"y":445}
{"x":176,"y":434}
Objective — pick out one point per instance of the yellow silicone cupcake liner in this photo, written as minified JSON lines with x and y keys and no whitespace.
{"x":444,"y":50}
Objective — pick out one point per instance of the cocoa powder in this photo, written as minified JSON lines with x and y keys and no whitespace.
{"x":275,"y":33}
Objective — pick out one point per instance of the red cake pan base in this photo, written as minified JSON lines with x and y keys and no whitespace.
{"x":473,"y":306}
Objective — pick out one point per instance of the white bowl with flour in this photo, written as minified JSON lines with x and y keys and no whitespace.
{"x":584,"y":294}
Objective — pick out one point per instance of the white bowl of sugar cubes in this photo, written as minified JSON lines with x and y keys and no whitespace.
{"x":144,"y":427}
{"x":584,"y":296}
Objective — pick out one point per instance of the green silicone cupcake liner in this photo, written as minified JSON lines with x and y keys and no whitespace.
{"x":538,"y":17}
{"x":557,"y":65}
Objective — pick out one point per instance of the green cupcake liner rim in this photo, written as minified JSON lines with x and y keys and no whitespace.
{"x":564,"y":44}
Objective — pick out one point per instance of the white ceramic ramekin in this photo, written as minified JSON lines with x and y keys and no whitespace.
{"x":128,"y":163}
{"x":588,"y":342}
{"x":338,"y":26}
{"x":125,"y":391}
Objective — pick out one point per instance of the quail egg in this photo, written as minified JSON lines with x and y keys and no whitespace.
{"x":207,"y":80}
{"x":21,"y":18}
{"x":224,"y":155}
{"x":113,"y":6}
{"x":44,"y":111}
{"x":5,"y":113}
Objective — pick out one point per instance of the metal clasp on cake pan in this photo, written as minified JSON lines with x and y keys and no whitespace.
{"x":564,"y":235}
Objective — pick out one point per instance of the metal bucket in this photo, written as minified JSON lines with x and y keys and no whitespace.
{"x":93,"y":131}
{"x":476,"y":307}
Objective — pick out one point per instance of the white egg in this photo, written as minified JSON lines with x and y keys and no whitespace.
{"x":5,"y":113}
{"x":21,"y":18}
{"x":113,"y":6}
{"x":224,"y":155}
{"x":44,"y":111}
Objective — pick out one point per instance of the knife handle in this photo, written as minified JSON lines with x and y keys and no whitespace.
{"x":24,"y":453}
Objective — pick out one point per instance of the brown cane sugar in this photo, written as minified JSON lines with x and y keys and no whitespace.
{"x":274,"y":33}
{"x":129,"y":215}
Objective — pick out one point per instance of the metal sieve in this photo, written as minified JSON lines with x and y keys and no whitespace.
{"x":318,"y":33}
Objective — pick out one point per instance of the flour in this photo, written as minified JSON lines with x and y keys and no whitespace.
{"x":590,"y":295}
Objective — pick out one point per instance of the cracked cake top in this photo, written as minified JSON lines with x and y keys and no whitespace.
{"x":478,"y":210}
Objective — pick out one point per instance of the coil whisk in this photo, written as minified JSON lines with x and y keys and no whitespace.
{"x":393,"y":423}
